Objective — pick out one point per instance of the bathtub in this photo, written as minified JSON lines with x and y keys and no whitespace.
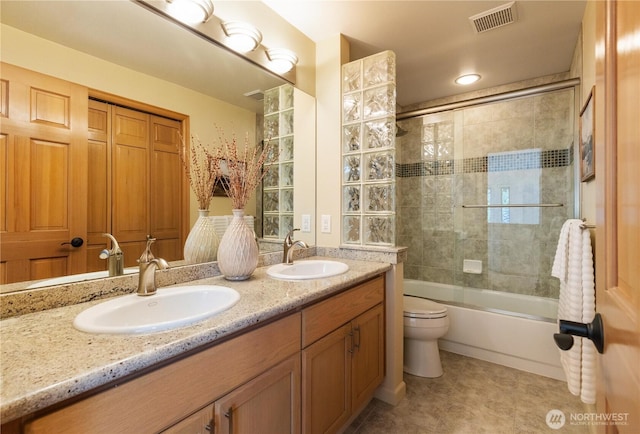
{"x":508,"y":329}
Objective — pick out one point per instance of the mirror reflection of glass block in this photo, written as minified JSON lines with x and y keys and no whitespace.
{"x":351,"y":168}
{"x":351,"y":138}
{"x":351,"y":76}
{"x":270,"y":200}
{"x":286,"y":148}
{"x":379,"y":134}
{"x":271,"y":101}
{"x":272,"y":154}
{"x":351,"y":198}
{"x":351,"y":107}
{"x":271,"y":225}
{"x":351,"y":229}
{"x":271,"y":176}
{"x":286,"y":123}
{"x":271,"y":126}
{"x":379,"y":101}
{"x":379,"y":230}
{"x":379,"y":197}
{"x":286,"y":174}
{"x":286,"y":100}
{"x":286,"y":224}
{"x":380,"y":165}
{"x":286,"y":200}
{"x":380,"y":68}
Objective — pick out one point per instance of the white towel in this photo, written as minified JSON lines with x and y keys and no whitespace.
{"x":573,"y":265}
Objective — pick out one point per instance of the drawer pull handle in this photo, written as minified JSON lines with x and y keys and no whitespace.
{"x":229,"y":415}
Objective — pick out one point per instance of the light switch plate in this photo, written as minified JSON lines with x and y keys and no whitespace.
{"x":306,"y":223}
{"x":325,"y":224}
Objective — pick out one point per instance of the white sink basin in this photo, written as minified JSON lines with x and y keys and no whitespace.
{"x":168,"y":308}
{"x":310,"y":269}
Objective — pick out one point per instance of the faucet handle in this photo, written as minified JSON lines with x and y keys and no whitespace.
{"x":290,"y":234}
{"x":147,"y":256}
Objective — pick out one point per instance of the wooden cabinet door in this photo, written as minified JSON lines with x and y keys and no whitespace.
{"x":198,"y":423}
{"x":367,"y":366}
{"x":44,"y":175}
{"x":270,"y":403}
{"x":326,"y":384}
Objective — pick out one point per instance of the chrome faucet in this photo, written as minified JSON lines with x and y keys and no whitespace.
{"x":114,"y":256}
{"x":148,"y":266}
{"x":289,"y":244}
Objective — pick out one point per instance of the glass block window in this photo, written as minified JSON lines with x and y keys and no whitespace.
{"x":368,"y":151}
{"x":277,"y":192}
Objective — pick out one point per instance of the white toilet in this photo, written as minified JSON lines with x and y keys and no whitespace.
{"x":424,"y":322}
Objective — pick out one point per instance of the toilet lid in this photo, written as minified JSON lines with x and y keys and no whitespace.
{"x":417,"y":307}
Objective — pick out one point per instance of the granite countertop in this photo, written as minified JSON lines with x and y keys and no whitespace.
{"x":45,"y":360}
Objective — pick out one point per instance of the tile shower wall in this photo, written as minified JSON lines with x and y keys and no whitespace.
{"x":516,"y":151}
{"x":368,"y":151}
{"x":277,"y":185}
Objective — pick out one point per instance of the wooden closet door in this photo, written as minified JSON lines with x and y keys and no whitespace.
{"x":166,"y":188}
{"x":44,"y":185}
{"x":130,"y":181}
{"x":99,"y":204}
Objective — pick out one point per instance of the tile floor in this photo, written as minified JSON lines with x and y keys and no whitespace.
{"x":473,"y":397}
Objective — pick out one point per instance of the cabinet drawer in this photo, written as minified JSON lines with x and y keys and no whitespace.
{"x":322,"y":318}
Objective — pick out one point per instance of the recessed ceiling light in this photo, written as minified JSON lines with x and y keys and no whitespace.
{"x":467,"y":79}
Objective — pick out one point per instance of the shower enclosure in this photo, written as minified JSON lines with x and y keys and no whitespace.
{"x":483,"y":190}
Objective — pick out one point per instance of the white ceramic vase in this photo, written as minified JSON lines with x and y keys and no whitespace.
{"x":238,"y":250}
{"x":202,"y":241}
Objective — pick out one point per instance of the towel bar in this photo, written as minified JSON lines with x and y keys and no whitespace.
{"x":513,"y":205}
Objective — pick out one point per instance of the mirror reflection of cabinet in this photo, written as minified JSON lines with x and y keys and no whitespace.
{"x":134,"y":182}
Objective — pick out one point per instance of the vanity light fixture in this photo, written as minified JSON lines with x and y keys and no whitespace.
{"x":241,"y":37}
{"x":191,"y":11}
{"x":281,"y":60}
{"x":467,"y":79}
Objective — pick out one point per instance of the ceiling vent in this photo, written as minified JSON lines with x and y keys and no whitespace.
{"x":257,"y":94}
{"x":494,"y":18}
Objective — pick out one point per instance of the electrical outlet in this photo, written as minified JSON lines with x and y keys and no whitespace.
{"x":325,"y":224}
{"x":306,"y":223}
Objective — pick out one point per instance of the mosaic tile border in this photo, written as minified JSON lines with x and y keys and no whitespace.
{"x":493,"y":163}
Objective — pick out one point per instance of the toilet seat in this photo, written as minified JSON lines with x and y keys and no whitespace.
{"x":417,"y":307}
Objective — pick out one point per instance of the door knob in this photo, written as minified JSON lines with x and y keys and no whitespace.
{"x":594,"y":331}
{"x":76,"y":242}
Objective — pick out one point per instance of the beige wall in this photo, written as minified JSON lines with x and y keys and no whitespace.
{"x":588,"y":189}
{"x":30,"y":52}
{"x":331,"y":54}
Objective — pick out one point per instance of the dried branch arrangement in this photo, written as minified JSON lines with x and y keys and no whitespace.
{"x":245,"y":167}
{"x":201,"y":168}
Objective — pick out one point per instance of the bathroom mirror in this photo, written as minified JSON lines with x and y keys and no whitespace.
{"x":122,"y":33}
